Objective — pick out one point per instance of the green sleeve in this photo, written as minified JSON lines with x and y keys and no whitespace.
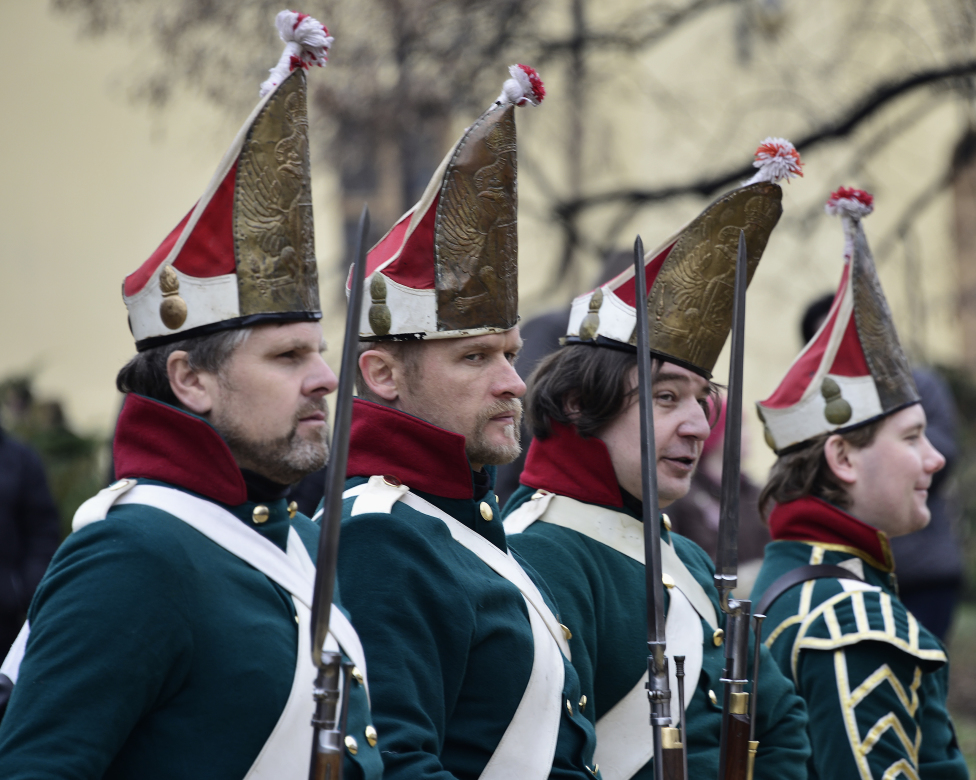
{"x":870,"y":705}
{"x":109,"y":637}
{"x":781,"y":725}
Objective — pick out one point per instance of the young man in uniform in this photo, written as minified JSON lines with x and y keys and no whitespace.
{"x":578,"y":513}
{"x":170,"y":636}
{"x":853,"y":470}
{"x":465,"y":653}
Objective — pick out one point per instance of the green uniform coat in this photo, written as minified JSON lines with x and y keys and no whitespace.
{"x":448,"y":641}
{"x":602,"y":596}
{"x":154,"y":653}
{"x":874,"y":678}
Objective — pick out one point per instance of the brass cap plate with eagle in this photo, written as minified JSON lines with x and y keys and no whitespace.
{"x":691,"y":289}
{"x":274,"y":240}
{"x":476,"y":231}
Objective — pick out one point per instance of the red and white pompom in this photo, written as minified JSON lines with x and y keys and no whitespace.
{"x":525,"y":86}
{"x":849,"y":202}
{"x":776,"y":159}
{"x":307,"y":43}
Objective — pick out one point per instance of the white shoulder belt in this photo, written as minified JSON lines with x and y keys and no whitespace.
{"x":624,"y":740}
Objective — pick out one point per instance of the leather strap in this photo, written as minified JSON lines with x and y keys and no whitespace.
{"x":800,"y":575}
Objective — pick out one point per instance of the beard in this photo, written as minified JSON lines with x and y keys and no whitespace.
{"x":286,"y":459}
{"x":480,"y":449}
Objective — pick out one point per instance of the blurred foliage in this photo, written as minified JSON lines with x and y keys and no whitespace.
{"x":72,"y":461}
{"x":962,"y":681}
{"x":963,"y":385}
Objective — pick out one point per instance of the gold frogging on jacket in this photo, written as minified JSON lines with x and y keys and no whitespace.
{"x":274,"y":238}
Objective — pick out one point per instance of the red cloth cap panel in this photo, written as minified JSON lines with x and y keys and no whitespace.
{"x":414,"y":268}
{"x":627,"y":291}
{"x":208,"y":252}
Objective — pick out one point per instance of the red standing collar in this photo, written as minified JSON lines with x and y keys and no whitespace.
{"x":156,"y":441}
{"x":815,"y":521}
{"x":387,"y":441}
{"x":567,"y":464}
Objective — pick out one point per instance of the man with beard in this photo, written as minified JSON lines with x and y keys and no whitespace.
{"x":853,"y":469}
{"x":465,"y":652}
{"x":577,"y":517}
{"x":170,"y":636}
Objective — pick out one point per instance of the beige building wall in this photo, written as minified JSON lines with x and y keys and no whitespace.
{"x":94,"y":182}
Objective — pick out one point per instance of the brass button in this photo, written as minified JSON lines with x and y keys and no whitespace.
{"x":667,"y":521}
{"x":357,"y":675}
{"x":352,"y":746}
{"x":486,"y":511}
{"x":391,"y":480}
{"x":718,"y":637}
{"x":292,"y":509}
{"x":569,"y":706}
{"x":712,"y":697}
{"x":371,"y":736}
{"x":582,"y":702}
{"x":566,"y":632}
{"x":296,"y":618}
{"x":260,"y":514}
{"x":668,"y":580}
{"x":594,"y":770}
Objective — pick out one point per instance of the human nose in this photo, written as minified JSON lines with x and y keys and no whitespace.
{"x":933,"y":459}
{"x":695,"y":425}
{"x":510,"y":384}
{"x":321,"y":379}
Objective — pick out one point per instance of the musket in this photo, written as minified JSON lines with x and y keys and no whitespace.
{"x":738,"y":746}
{"x":329,"y":721}
{"x":668,"y":748}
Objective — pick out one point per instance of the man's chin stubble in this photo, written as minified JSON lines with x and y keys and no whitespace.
{"x":286,"y":460}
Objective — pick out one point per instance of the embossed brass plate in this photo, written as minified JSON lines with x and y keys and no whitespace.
{"x":273,"y":235}
{"x":888,"y":364}
{"x":475,"y":234}
{"x":690,"y":305}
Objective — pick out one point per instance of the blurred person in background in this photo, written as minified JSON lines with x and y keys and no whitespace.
{"x":929,"y":562}
{"x":696,"y":515}
{"x":29,"y":532}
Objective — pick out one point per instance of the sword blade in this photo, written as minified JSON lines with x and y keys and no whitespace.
{"x":335,"y":482}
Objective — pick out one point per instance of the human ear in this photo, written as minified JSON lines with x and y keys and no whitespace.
{"x":571,"y":406}
{"x":190,"y":389}
{"x":377,"y":368}
{"x":839,"y":454}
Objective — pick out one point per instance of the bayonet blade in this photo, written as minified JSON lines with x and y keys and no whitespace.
{"x":652,"y":529}
{"x":726,"y":567}
{"x":335,"y":482}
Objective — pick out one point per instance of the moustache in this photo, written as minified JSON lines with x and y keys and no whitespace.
{"x":512,"y":405}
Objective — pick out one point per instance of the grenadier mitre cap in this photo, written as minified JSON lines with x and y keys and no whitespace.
{"x":449,"y":267}
{"x":245,"y":254}
{"x":691,"y":276}
{"x":853,"y":371}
